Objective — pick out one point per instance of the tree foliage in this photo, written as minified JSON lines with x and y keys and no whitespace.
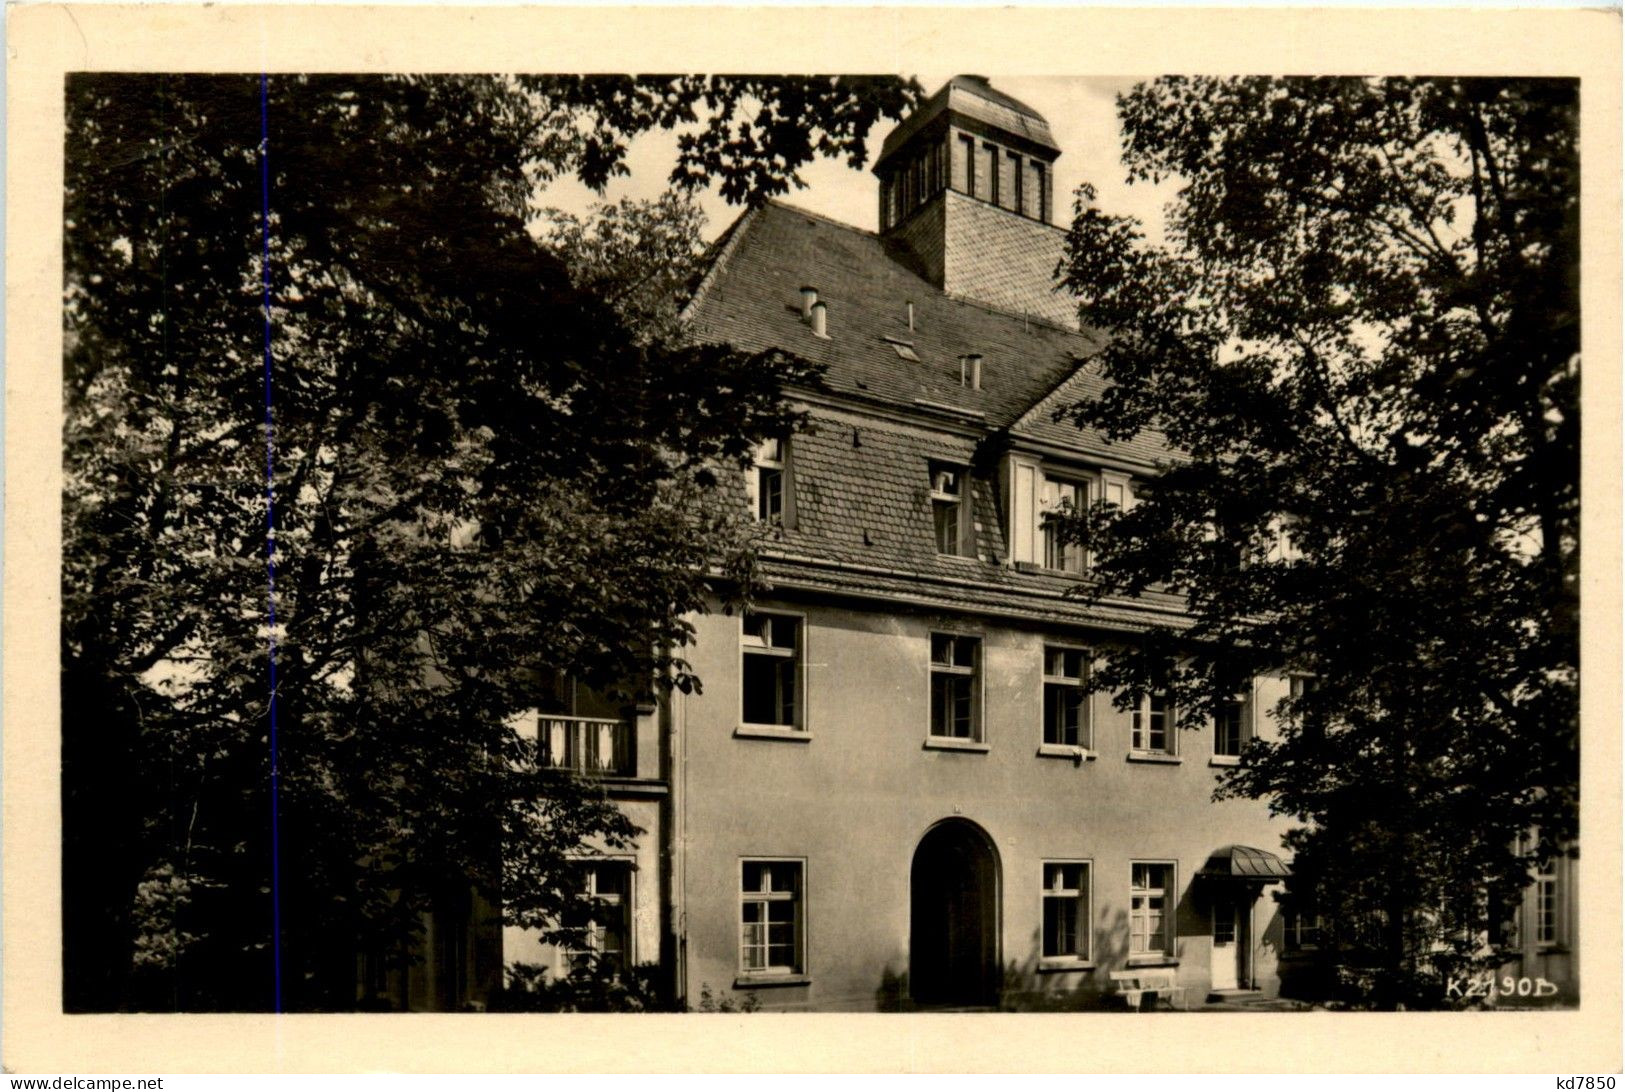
{"x":468,"y":464}
{"x":1362,"y":338}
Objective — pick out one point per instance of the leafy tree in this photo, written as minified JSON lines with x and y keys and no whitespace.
{"x":641,"y":257}
{"x":1362,"y":338}
{"x":468,"y":465}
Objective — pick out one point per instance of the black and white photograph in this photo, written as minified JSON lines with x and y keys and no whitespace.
{"x":950,"y":540}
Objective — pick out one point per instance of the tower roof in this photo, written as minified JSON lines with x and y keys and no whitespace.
{"x":974,"y":100}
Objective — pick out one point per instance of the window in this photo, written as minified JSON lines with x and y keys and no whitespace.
{"x":604,"y":924}
{"x":992,"y":171}
{"x":1066,"y":910}
{"x":767,"y":480}
{"x":772,"y":655}
{"x":1149,"y":921}
{"x":1298,"y":688}
{"x":1153,"y":724}
{"x":1066,"y":702}
{"x":1300,"y":929}
{"x":1061,"y":496}
{"x":1230,"y":728}
{"x":948,"y":508}
{"x":1283,"y":546}
{"x":968,"y":148}
{"x":953,"y":686}
{"x":1511,"y":929}
{"x":1036,"y":490}
{"x":1546,"y":905}
{"x":1019,"y":170}
{"x":770,"y":918}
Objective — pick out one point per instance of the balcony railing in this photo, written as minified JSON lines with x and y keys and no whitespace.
{"x":589,"y":745}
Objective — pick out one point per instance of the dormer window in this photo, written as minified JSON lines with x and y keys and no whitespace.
{"x":1037,"y":489}
{"x":948,"y":508}
{"x":1059,"y":498}
{"x":767,"y":480}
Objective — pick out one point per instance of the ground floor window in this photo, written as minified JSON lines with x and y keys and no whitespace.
{"x":1300,"y":929}
{"x":1546,"y":932}
{"x":771,"y":918}
{"x":1066,"y":910}
{"x":602,"y":922}
{"x":1150,"y":931}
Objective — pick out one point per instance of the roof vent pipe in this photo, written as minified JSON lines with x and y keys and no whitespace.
{"x":970,"y":371}
{"x":809,"y":296}
{"x":819,"y":319}
{"x":911,"y":315}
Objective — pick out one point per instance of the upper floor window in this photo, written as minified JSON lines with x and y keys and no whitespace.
{"x":1300,"y":687}
{"x":1153,"y":726}
{"x":771,"y":671}
{"x":771,"y":927}
{"x":1036,"y":490}
{"x":1040,"y":197}
{"x":954,"y":670}
{"x":967,"y":147}
{"x":768,"y":479}
{"x":948,"y":512}
{"x":1060,"y":497}
{"x":1283,"y":544}
{"x":1066,"y":702}
{"x":1230,"y":728}
{"x":1066,"y":910}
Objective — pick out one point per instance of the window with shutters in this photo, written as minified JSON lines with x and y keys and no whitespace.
{"x":1058,"y":499}
{"x":1037,"y":490}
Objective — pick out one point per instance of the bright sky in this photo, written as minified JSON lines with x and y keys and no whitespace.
{"x":1081,"y":112}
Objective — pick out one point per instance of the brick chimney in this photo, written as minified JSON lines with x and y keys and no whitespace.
{"x":966,"y":197}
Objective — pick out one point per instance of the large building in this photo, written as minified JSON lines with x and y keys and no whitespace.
{"x":894,"y":790}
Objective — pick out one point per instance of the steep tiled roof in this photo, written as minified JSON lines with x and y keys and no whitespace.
{"x":752,"y":302}
{"x":871,"y":504}
{"x":860,"y":503}
{"x":1084,"y":385}
{"x":867,"y":508}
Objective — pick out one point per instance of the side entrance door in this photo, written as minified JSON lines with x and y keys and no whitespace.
{"x":1229,"y":944}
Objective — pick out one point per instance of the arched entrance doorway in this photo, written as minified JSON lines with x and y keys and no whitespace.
{"x":954,"y":916}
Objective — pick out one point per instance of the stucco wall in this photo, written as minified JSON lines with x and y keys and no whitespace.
{"x":524,"y":945}
{"x":855,"y":797}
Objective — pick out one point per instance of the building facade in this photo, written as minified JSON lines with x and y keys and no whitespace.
{"x":895,"y":791}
